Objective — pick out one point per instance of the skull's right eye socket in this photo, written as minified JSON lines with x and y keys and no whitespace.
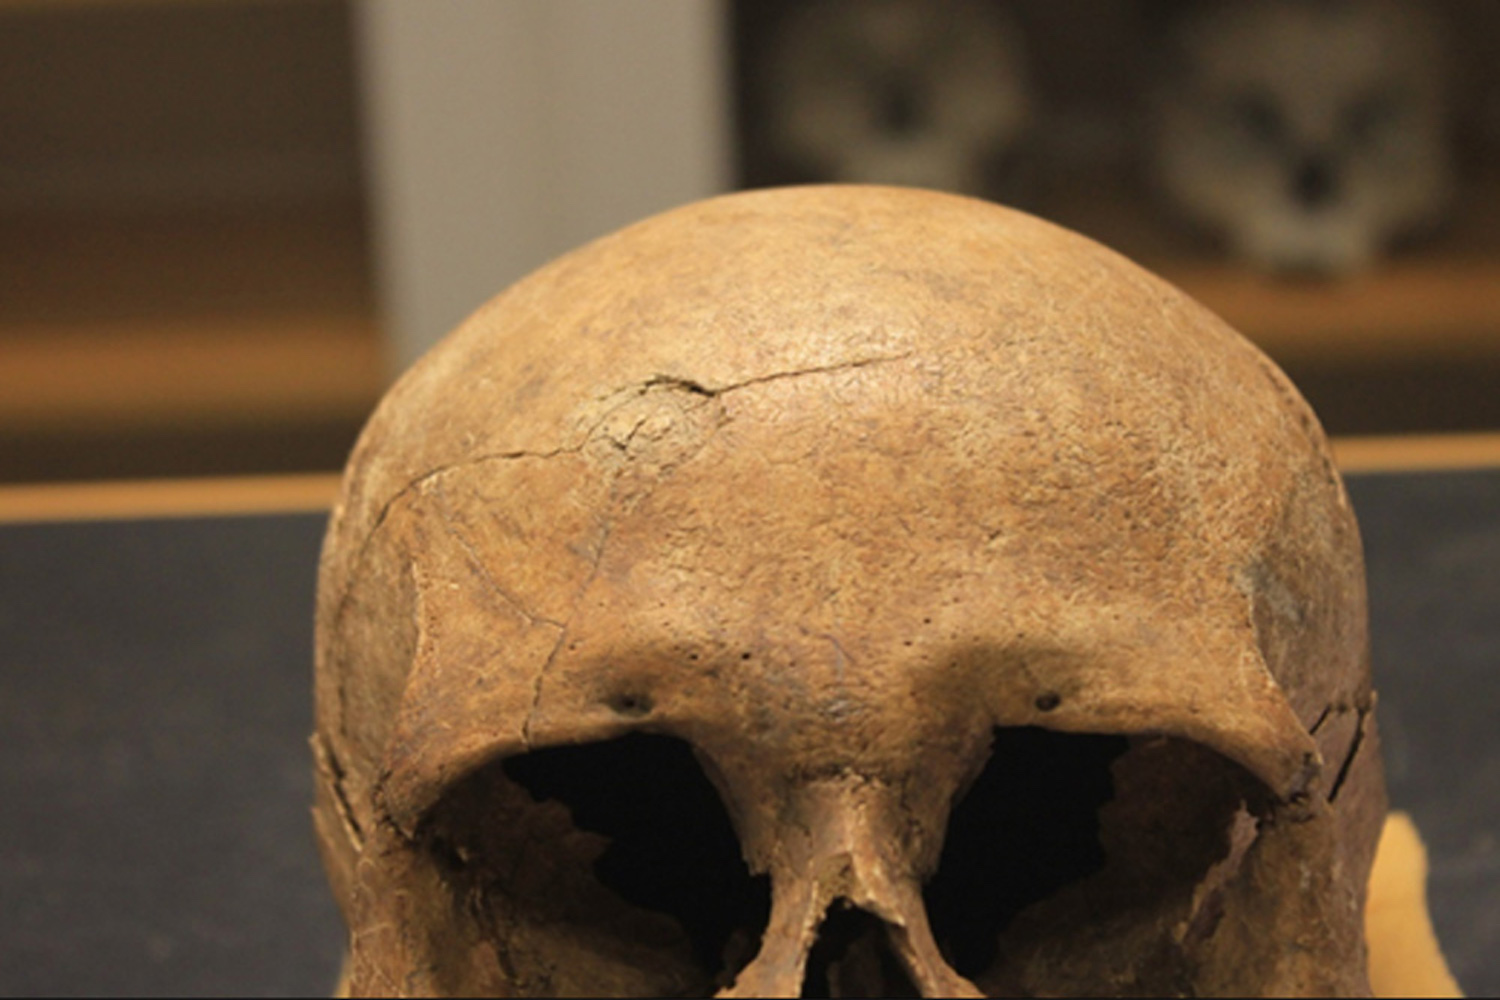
{"x":604,"y":868}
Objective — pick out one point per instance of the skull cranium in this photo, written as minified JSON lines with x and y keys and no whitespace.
{"x":845,"y":588}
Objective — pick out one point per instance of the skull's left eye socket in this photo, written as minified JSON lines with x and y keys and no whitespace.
{"x":1027,"y":828}
{"x":607,"y":867}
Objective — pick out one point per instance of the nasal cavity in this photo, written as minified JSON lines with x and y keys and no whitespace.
{"x":852,"y":957}
{"x":1316,"y":182}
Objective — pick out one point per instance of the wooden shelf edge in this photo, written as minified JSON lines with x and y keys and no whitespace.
{"x":1407,"y":311}
{"x":228,"y":370}
{"x":169,"y":498}
{"x":1417,"y":453}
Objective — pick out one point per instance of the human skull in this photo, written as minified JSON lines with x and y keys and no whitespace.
{"x":1309,"y":134}
{"x":845,"y":589}
{"x":897,"y":92}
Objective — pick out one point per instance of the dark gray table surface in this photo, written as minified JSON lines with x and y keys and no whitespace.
{"x":155,"y":703}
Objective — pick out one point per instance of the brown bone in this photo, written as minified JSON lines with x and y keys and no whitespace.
{"x":842,"y":487}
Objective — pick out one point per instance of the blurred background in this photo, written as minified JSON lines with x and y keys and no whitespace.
{"x":225,"y":225}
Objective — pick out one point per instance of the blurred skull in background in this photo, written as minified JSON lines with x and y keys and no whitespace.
{"x":1309,"y":135}
{"x":909,"y":92}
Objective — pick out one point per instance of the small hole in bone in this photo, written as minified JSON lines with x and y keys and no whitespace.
{"x":630,"y":703}
{"x":1047,"y":701}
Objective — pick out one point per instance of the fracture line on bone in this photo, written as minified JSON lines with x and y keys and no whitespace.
{"x":474,"y":559}
{"x":562,"y":637}
{"x":1355,"y":743}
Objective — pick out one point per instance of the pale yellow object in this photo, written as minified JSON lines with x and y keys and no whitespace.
{"x":1405,"y":959}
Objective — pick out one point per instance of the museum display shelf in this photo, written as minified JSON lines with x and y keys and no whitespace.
{"x":157,"y":319}
{"x":164,"y":336}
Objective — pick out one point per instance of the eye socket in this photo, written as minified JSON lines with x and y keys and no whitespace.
{"x":1255,"y":115}
{"x":1067,"y":844}
{"x":672,"y":848}
{"x":624,"y":844}
{"x":1028,"y":826}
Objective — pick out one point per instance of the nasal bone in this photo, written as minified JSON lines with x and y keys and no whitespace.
{"x":845,"y":854}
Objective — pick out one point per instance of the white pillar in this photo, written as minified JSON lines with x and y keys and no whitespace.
{"x":501,"y":133}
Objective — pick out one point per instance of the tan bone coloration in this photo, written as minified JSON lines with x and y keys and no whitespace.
{"x":998,"y":603}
